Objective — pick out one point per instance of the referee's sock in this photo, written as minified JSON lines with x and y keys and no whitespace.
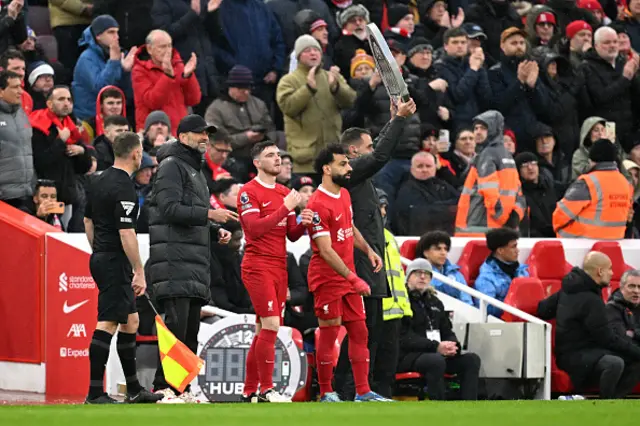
{"x":98,"y":356}
{"x":126,"y":346}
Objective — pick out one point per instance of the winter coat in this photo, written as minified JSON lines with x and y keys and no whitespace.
{"x":519,"y":103}
{"x":254,"y":36}
{"x":179,"y":234}
{"x":494,"y":17}
{"x":580,"y":160}
{"x":132,"y":16}
{"x":451,"y":270}
{"x":12,"y":32}
{"x":423,"y":206}
{"x":611,"y":94}
{"x":104,"y":152}
{"x":494,"y":282}
{"x":624,"y":317}
{"x":428,"y":314}
{"x":299,"y":312}
{"x":567,"y":12}
{"x":155,"y":90}
{"x":366,"y":206}
{"x":344,"y":50}
{"x":632,"y":27}
{"x":583,"y":334}
{"x":432,"y":31}
{"x":541,"y":200}
{"x":237,"y":118}
{"x":559,"y":170}
{"x":192,"y":33}
{"x":94,"y":70}
{"x":94,"y":126}
{"x":16,"y":157}
{"x":227,"y":289}
{"x":469,"y":90}
{"x":311,"y":117}
{"x":68,"y":12}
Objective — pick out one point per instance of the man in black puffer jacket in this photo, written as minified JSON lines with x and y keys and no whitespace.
{"x":623,"y":308}
{"x":586,"y":347}
{"x":179,"y":254}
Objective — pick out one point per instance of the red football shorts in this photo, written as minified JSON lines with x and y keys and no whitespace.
{"x":330,"y":304}
{"x":267,"y":287}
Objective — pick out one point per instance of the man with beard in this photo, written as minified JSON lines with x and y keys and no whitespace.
{"x":40,"y":83}
{"x":353,"y":21}
{"x":337,"y":290}
{"x":268,"y":218}
{"x":517,"y":91}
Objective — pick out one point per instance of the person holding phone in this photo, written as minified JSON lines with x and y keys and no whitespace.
{"x":46,"y":206}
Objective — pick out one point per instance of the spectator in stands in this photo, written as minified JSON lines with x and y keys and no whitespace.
{"x":494,"y":16}
{"x":41,"y":82}
{"x":132,"y":16}
{"x":595,"y":8}
{"x":634,"y":170}
{"x":161,"y":81}
{"x":110,"y":101}
{"x":597,"y":204}
{"x":424,"y":201}
{"x":195,"y":28}
{"x":611,"y":83}
{"x":12,"y":60}
{"x":68,"y":21}
{"x":586,"y":347}
{"x":579,"y":39}
{"x":623,"y":308}
{"x":58,"y":153}
{"x":101,"y":64}
{"x":401,"y":24}
{"x":632,"y":23}
{"x":624,"y":42}
{"x":551,"y":158}
{"x":500,"y":268}
{"x":353,"y":21}
{"x":245,"y":118}
{"x":434,"y":246}
{"x":298,"y":312}
{"x":113,"y":126}
{"x":157,"y":130}
{"x":467,"y":82}
{"x":45,"y":203}
{"x":33,"y":52}
{"x":541,"y":196}
{"x":13,"y":31}
{"x":517,"y":90}
{"x":16,"y":159}
{"x":224,"y":194}
{"x":478,"y":39}
{"x":431,"y":143}
{"x":568,"y":11}
{"x":305,"y":187}
{"x":428,"y":344}
{"x":310,"y":100}
{"x":510,"y":140}
{"x":309,"y":22}
{"x":286,"y":168}
{"x":540,"y":26}
{"x":215,"y":157}
{"x":463,"y":153}
{"x":142,"y":178}
{"x":634,"y":153}
{"x":492,"y":195}
{"x":436,"y":20}
{"x":593,"y":129}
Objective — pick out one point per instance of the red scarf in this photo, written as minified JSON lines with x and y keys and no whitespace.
{"x":215,"y":203}
{"x":43,"y":119}
{"x":216,"y":169}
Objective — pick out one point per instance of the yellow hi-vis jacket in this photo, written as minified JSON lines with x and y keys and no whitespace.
{"x":398,"y":305}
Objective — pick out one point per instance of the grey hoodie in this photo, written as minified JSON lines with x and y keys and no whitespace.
{"x":16,"y":157}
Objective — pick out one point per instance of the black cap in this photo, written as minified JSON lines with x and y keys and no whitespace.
{"x":525,"y":157}
{"x":603,"y":150}
{"x":196,"y":124}
{"x":300,"y":181}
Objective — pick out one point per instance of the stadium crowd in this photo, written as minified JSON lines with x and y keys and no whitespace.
{"x":528,"y":119}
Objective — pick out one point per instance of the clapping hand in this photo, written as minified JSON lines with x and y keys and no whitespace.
{"x":190,"y":66}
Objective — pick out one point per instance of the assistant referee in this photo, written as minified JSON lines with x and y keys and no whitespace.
{"x":116,"y":267}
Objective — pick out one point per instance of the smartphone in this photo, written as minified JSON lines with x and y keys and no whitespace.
{"x":58,"y":208}
{"x":443,"y":143}
{"x":611,"y":130}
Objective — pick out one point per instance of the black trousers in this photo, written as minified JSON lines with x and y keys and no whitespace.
{"x":182,"y":317}
{"x":615,"y":378}
{"x":433,"y":366}
{"x":344,"y":383}
{"x":384,"y":370}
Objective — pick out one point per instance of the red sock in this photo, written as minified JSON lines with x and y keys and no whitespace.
{"x":265,"y":358}
{"x":359,"y":355}
{"x":325,"y":357}
{"x":251,"y":378}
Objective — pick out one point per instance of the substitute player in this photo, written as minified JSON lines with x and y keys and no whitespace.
{"x":116,"y":267}
{"x":336,"y":289}
{"x":267,"y":216}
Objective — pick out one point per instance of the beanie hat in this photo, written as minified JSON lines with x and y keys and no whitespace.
{"x":240,"y":76}
{"x":590,"y":5}
{"x":511,"y":134}
{"x":157,"y":117}
{"x":500,"y":237}
{"x":396,"y":46}
{"x":38,"y":69}
{"x":418,"y":264}
{"x":575,"y":27}
{"x":102,"y":23}
{"x":303,"y":42}
{"x":300,"y":181}
{"x":603,"y":150}
{"x":524,"y":157}
{"x":546,"y":17}
{"x":418,"y":44}
{"x":350,"y":12}
{"x":318,"y":23}
{"x":360,"y":58}
{"x":30,"y":32}
{"x":396,"y":12}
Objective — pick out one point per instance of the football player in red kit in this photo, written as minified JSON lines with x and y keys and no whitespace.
{"x":336,"y":289}
{"x":268,"y":217}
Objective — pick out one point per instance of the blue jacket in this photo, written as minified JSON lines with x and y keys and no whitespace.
{"x":254,"y":36}
{"x":451,"y":270}
{"x":94,"y":70}
{"x":494,"y":282}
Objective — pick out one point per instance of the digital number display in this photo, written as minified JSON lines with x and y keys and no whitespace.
{"x":228,"y":364}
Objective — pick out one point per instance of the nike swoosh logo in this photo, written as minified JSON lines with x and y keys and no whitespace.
{"x":68,"y":309}
{"x":338,"y":217}
{"x":266,"y":204}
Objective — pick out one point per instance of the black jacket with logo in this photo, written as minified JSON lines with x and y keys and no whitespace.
{"x":624,"y":317}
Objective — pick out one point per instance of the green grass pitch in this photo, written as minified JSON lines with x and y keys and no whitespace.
{"x":493,"y":413}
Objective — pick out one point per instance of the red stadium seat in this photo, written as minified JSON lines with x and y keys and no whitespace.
{"x":408,"y":249}
{"x":524,"y":293}
{"x":614,"y":251}
{"x":547,"y":263}
{"x":472,"y":257}
{"x":560,"y":381}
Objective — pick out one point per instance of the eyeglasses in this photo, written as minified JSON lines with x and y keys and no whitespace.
{"x":422,"y":273}
{"x":529,"y":164}
{"x":228,"y":151}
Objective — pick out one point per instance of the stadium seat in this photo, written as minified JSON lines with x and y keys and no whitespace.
{"x":560,"y":381}
{"x":408,"y":249}
{"x":547,"y":263}
{"x":614,"y":251}
{"x":39,"y":20}
{"x":49,"y":45}
{"x":524,"y":293}
{"x":472,"y":257}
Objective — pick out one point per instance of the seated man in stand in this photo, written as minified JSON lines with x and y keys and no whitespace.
{"x":45,"y":203}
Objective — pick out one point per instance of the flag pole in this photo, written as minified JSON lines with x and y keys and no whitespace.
{"x":151,"y":304}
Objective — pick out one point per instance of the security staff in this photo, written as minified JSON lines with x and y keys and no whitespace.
{"x":598,"y":203}
{"x":116,"y":267}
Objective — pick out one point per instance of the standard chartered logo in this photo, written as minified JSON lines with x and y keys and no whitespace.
{"x":66,"y":283}
{"x":63,"y":284}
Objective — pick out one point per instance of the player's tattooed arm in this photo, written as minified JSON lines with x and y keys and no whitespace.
{"x":329,"y":255}
{"x":88,"y":229}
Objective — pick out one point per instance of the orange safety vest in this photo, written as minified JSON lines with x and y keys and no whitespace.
{"x":605,"y":217}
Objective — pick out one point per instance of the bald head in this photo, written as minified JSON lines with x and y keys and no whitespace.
{"x":159,"y":45}
{"x":599,"y":267}
{"x":423,"y":165}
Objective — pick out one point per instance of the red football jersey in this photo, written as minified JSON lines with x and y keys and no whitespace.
{"x":265,"y":221}
{"x":332,"y":216}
